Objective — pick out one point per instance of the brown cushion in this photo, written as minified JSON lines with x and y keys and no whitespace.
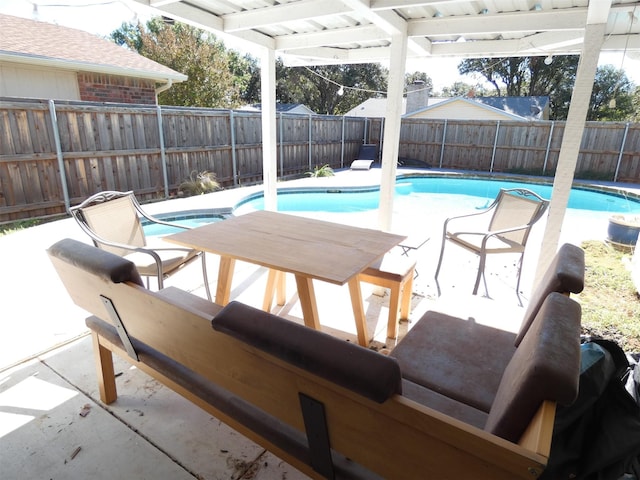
{"x":363,"y":371}
{"x":456,"y":357}
{"x":104,"y":264}
{"x":545,"y":366}
{"x":442,"y":404}
{"x":564,"y":275}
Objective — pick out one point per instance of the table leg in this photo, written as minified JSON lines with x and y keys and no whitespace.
{"x":307,"y":296}
{"x":275,"y":286}
{"x":225,"y":277}
{"x":358,"y":311}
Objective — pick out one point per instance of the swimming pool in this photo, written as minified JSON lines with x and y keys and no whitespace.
{"x":442,"y":194}
{"x":192,"y":218}
{"x":437,"y":192}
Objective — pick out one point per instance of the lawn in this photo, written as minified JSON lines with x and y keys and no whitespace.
{"x":610,"y":302}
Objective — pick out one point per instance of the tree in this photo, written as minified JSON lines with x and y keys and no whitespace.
{"x":531,"y":76}
{"x":330,"y":89}
{"x":612,"y":96}
{"x":462,"y":89}
{"x":216,"y":76}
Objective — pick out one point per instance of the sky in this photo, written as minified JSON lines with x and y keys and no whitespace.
{"x":101,"y":17}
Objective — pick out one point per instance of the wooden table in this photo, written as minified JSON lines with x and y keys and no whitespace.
{"x":308,"y":248}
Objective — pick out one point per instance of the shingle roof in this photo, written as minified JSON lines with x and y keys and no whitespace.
{"x":30,"y":41}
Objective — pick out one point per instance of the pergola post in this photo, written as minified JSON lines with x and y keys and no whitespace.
{"x":393,"y":120}
{"x":571,"y":140}
{"x":269,"y":127}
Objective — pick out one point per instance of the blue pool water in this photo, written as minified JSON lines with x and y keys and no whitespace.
{"x":417,"y":194}
{"x":193,"y":219}
{"x":458,"y":192}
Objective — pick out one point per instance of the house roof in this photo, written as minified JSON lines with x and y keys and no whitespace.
{"x":283,"y":108}
{"x":531,"y":108}
{"x":45,"y":44}
{"x":470,"y":102}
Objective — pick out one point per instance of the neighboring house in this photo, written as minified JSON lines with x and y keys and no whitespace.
{"x":297,"y":108}
{"x":43,"y":60}
{"x":464,"y":108}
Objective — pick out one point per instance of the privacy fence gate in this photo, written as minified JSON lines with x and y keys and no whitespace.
{"x":56,"y":153}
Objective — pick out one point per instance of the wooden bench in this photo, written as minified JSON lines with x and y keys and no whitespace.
{"x":330,"y":408}
{"x":396,"y":273}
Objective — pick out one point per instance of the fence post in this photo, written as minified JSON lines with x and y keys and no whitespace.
{"x":342,"y":145}
{"x":281,"y":145}
{"x":495,"y":143}
{"x":546,"y":155}
{"x":444,"y":137}
{"x":364,"y":136}
{"x":232,"y":134}
{"x":624,"y":140}
{"x":310,"y":167}
{"x":163,"y":157}
{"x":56,"y":139}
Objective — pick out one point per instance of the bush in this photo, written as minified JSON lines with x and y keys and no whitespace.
{"x":199,"y":183}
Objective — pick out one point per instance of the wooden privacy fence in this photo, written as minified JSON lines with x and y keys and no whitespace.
{"x":55,"y":154}
{"x":609,"y":150}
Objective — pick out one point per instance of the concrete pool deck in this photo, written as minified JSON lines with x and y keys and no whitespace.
{"x":47,"y":378}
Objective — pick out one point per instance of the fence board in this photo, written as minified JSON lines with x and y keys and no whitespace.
{"x":108,"y":146}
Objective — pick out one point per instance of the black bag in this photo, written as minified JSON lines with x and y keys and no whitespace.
{"x":598,"y":436}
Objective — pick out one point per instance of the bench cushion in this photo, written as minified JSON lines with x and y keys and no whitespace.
{"x":442,"y":404}
{"x":456,"y":357}
{"x":564,"y":275}
{"x":545,"y":366}
{"x":363,"y":371}
{"x":101,"y":263}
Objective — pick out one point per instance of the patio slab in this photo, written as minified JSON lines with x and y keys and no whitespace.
{"x":150,"y":432}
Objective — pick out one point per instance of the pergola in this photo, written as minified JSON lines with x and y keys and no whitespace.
{"x":321,"y":32}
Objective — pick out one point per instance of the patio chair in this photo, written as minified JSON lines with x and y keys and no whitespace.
{"x":113,"y":221}
{"x":503,"y":227}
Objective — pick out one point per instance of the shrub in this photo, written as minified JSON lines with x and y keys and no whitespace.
{"x":199,"y":183}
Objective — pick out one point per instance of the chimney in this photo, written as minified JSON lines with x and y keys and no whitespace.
{"x":417,"y":96}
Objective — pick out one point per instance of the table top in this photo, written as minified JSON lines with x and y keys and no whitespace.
{"x":327,"y":251}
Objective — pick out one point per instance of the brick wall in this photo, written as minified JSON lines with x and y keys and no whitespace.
{"x":97,"y":87}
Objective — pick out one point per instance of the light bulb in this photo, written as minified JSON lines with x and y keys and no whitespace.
{"x":548,"y":60}
{"x":341,"y":91}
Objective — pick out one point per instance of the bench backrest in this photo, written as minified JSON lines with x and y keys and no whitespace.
{"x":353,"y":367}
{"x":565,"y":275}
{"x":545,"y":366}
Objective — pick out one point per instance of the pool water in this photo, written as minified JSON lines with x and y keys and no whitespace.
{"x":441,"y":192}
{"x":412,"y":194}
{"x":194,"y":219}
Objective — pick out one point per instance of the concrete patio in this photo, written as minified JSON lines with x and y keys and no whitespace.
{"x":52,"y":424}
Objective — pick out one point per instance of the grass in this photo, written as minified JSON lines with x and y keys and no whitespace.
{"x":610,"y":302}
{"x":11,"y":227}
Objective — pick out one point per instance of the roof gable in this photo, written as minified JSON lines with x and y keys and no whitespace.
{"x":30,"y":41}
{"x":464,"y":102}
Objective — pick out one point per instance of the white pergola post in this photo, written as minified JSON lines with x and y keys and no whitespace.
{"x":571,"y":140}
{"x":393,"y":119}
{"x":269,"y":127}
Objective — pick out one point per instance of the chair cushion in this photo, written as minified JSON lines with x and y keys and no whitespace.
{"x":456,"y":357}
{"x":545,"y":366}
{"x":106,"y":265}
{"x":363,"y":371}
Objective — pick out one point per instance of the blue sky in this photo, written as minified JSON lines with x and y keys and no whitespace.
{"x":103,"y":16}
